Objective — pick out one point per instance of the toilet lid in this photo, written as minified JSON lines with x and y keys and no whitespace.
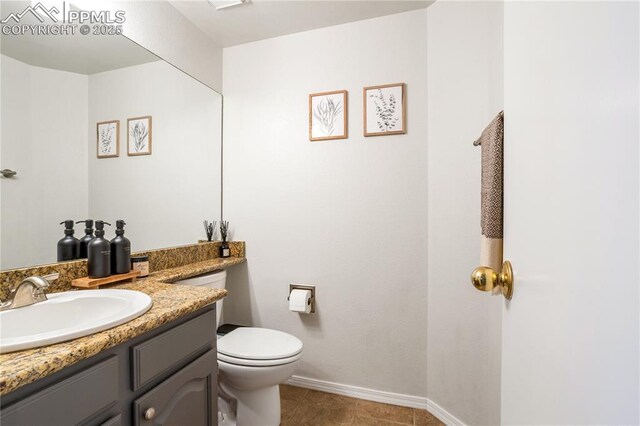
{"x":259,"y":343}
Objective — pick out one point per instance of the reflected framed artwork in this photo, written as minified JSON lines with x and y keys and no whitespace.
{"x":108,"y":139}
{"x":328,"y":115}
{"x":139,"y":135}
{"x":384,"y":110}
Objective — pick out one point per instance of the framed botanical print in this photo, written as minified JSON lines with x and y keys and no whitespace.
{"x":139,"y":135}
{"x":384,"y":110}
{"x":328,"y":115}
{"x":108,"y":139}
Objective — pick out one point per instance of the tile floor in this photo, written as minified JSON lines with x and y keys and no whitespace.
{"x":302,"y":407}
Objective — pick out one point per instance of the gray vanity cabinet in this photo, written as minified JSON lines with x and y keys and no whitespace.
{"x":167,"y":376}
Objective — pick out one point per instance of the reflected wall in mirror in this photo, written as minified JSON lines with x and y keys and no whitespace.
{"x":55,"y":91}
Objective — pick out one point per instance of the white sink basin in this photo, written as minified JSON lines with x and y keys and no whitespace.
{"x":67,"y":316}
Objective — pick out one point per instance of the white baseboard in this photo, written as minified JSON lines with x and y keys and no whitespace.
{"x":377,"y":396}
{"x":442,"y":414}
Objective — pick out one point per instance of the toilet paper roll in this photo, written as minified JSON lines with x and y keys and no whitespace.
{"x":300,"y":301}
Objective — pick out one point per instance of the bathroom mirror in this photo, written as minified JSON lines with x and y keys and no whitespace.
{"x":155,"y":161}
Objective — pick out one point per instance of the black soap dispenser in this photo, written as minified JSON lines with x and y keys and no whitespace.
{"x":120,"y":251}
{"x":99,"y":253}
{"x":88,"y":236}
{"x":69,"y":246}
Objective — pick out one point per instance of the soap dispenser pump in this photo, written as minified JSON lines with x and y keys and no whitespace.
{"x":120,"y":251}
{"x":69,"y":246}
{"x":99,"y":253}
{"x":88,"y":236}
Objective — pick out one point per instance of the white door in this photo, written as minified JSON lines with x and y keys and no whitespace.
{"x":571,"y":333}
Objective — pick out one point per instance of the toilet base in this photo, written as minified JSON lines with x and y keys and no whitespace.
{"x":226,"y":413}
{"x":258,"y":407}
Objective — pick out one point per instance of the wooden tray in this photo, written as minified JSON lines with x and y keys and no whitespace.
{"x":87,"y":282}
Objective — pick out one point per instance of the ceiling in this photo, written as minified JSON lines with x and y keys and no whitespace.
{"x":262,"y":19}
{"x":78,"y":54}
{"x":81,"y":54}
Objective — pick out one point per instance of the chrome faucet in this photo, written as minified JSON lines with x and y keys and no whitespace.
{"x":31,"y":290}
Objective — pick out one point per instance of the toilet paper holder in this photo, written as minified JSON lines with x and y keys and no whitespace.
{"x":311,"y":288}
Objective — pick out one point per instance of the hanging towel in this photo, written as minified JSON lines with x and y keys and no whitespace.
{"x":491,"y":141}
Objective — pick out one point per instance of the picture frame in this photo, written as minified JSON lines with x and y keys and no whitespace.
{"x":383,"y":113}
{"x":108,"y":139}
{"x":139,"y":135}
{"x":328,"y":115}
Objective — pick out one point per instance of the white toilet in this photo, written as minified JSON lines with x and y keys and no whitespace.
{"x":252,"y":362}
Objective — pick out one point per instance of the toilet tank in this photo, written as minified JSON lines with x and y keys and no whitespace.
{"x":217,"y":279}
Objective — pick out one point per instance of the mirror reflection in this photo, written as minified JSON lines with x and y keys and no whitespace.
{"x":99,"y":128}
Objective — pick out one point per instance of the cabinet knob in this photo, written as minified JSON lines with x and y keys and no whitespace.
{"x":149,"y":413}
{"x":8,"y":173}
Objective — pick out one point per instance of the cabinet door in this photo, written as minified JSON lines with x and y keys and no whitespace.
{"x":187,"y":398}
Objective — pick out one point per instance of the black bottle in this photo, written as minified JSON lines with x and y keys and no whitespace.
{"x":120,"y":251}
{"x":88,"y":236}
{"x":69,"y":246}
{"x":99,"y":253}
{"x":225,"y":251}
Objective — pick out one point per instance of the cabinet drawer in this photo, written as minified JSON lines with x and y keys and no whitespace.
{"x":160,"y":354}
{"x":186,"y":398}
{"x":113,"y":421}
{"x":71,"y":401}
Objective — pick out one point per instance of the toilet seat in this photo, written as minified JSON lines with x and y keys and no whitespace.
{"x":258,"y":347}
{"x":258,"y":362}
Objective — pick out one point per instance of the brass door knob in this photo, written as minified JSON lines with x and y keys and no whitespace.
{"x":486,"y":279}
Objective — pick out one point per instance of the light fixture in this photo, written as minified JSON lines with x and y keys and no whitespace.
{"x":225,"y":4}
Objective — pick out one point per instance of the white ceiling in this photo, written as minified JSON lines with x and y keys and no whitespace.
{"x":261,"y":19}
{"x":81,"y":54}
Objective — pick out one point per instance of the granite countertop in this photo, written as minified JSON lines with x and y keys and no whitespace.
{"x":169,"y":303}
